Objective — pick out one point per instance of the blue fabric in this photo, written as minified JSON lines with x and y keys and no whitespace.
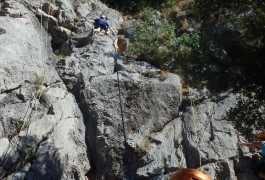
{"x":102,"y":23}
{"x":263,"y":148}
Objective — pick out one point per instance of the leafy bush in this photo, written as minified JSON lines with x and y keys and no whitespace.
{"x":248,"y":115}
{"x":155,"y":38}
{"x":246,"y":53}
{"x":156,"y":41}
{"x":135,"y":6}
{"x":188,"y":44}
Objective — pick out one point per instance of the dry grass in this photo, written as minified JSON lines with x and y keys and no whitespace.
{"x":163,"y":75}
{"x":182,"y":5}
{"x":145,"y":145}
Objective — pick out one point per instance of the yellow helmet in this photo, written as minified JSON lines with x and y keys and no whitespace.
{"x":261,"y":135}
{"x":189,"y":174}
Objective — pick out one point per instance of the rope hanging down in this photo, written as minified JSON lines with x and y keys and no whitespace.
{"x":26,"y":122}
{"x":27,"y":117}
{"x":127,"y":167}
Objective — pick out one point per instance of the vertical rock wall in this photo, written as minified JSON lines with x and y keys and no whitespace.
{"x":42,"y":133}
{"x":69,"y":125}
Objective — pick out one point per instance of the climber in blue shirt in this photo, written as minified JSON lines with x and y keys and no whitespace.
{"x":259,"y":171}
{"x":102,"y":23}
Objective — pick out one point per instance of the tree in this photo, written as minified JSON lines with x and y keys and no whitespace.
{"x":135,"y":6}
{"x":245,"y":51}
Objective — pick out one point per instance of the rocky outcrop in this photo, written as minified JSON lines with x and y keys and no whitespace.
{"x":62,"y":116}
{"x":42,"y":129}
{"x":144,"y":119}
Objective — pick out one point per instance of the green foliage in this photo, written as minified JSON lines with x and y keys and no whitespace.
{"x":61,"y":53}
{"x":245,"y":54}
{"x":248,"y":115}
{"x":190,"y":40}
{"x":135,"y":6}
{"x":156,"y":42}
{"x":155,"y":38}
{"x":188,"y":44}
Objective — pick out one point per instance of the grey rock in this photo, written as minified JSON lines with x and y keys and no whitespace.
{"x":244,"y":163}
{"x":206,"y":135}
{"x":222,"y":170}
{"x":142,"y":103}
{"x":39,"y":116}
{"x":167,"y":127}
{"x":160,"y":177}
{"x":246,"y":176}
{"x":164,"y":153}
{"x":61,"y":138}
{"x":128,"y":30}
{"x":20,"y":173}
{"x":8,"y":153}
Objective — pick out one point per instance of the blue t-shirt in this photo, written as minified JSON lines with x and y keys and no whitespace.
{"x":263,"y":148}
{"x":103,"y":23}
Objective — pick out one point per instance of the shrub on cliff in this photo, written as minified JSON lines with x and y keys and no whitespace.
{"x":157,"y":43}
{"x":135,"y":6}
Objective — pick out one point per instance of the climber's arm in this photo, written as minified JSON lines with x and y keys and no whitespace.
{"x":111,"y":30}
{"x":251,"y":144}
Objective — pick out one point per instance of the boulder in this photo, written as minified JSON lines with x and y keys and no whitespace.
{"x":220,"y":170}
{"x":146,"y":112}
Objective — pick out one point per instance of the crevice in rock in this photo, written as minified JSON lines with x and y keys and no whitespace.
{"x":49,"y":10}
{"x":29,"y":152}
{"x":90,"y":136}
{"x":2,"y":31}
{"x":190,"y":153}
{"x":3,"y":8}
{"x":4,"y":168}
{"x":212,"y":161}
{"x":212,"y":131}
{"x":134,"y":161}
{"x":21,"y":97}
{"x":83,"y":41}
{"x":3,"y":126}
{"x":121,"y":43}
{"x":60,"y":31}
{"x":76,"y":87}
{"x":160,"y":130}
{"x":51,"y":110}
{"x":10,"y":90}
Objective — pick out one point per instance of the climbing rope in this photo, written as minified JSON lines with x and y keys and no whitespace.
{"x":127,"y":167}
{"x":36,"y":97}
{"x":193,"y":118}
{"x":26,"y":122}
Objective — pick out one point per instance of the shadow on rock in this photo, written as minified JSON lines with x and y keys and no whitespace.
{"x":30,"y":159}
{"x":82,"y":41}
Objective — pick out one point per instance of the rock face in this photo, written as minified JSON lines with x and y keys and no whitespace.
{"x":41,"y":123}
{"x":62,"y":116}
{"x":139,"y":97}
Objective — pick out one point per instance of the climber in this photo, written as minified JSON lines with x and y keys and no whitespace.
{"x":101,"y":23}
{"x":259,"y":171}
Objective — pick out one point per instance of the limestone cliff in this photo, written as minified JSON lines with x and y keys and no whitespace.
{"x":61,"y":118}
